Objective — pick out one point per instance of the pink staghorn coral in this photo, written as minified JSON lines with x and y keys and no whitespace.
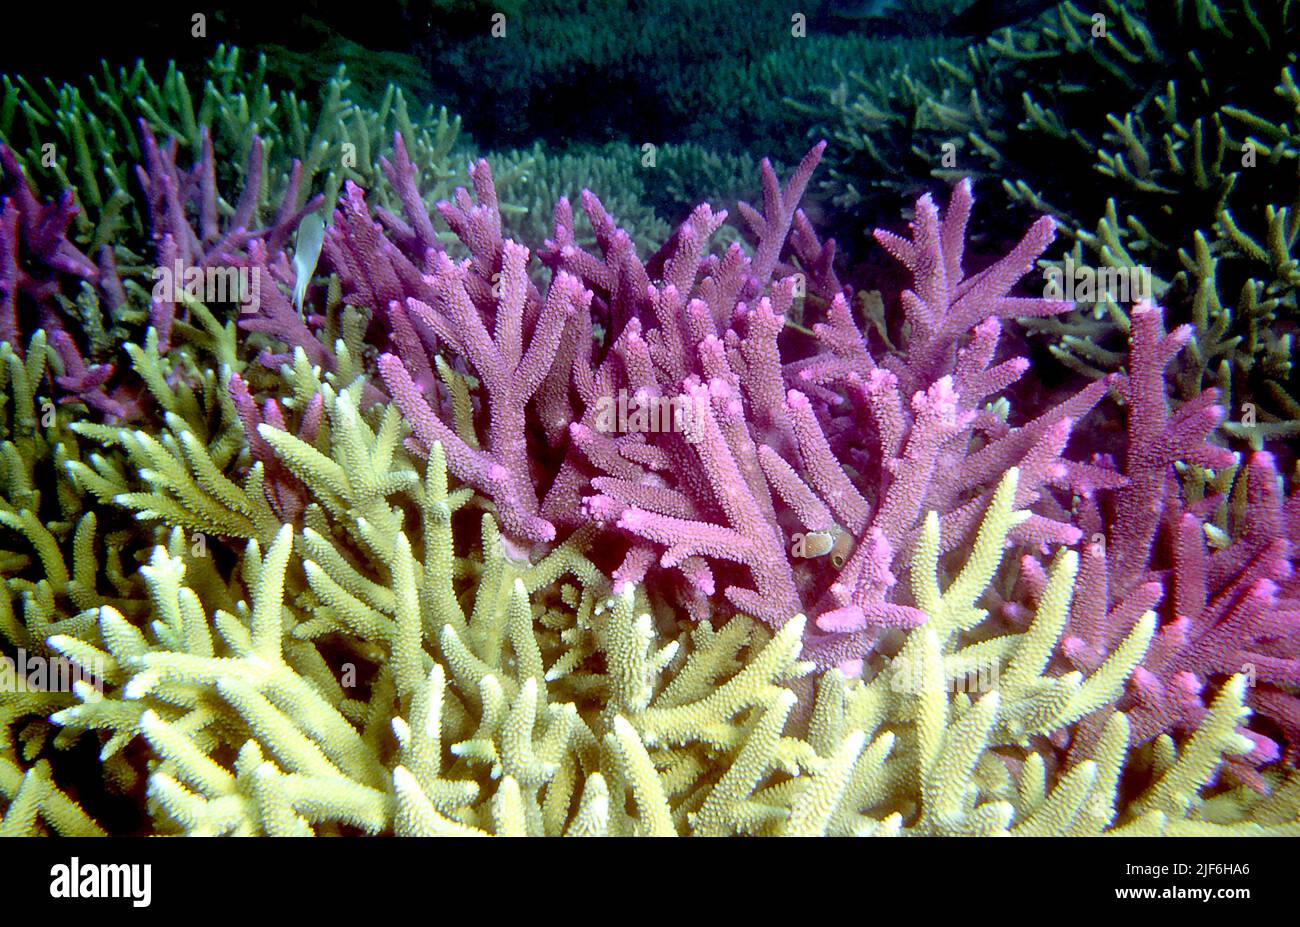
{"x":34,"y":249}
{"x":783,"y":448}
{"x":1236,"y":609}
{"x":185,"y":221}
{"x":283,"y":491}
{"x":799,"y":475}
{"x":510,"y":377}
{"x":36,"y":258}
{"x":774,"y":454}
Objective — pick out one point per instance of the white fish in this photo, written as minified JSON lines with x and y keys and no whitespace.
{"x":311,"y":235}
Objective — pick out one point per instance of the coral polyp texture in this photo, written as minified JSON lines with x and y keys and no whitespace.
{"x":357,"y":478}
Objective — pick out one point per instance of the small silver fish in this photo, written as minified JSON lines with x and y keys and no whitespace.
{"x":311,"y":235}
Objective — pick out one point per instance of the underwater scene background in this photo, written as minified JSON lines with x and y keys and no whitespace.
{"x":629,"y":418}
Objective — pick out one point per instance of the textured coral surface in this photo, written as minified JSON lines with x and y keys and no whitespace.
{"x":359,"y":476}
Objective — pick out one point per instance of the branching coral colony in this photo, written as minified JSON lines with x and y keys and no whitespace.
{"x":385,"y":566}
{"x":1191,"y":167}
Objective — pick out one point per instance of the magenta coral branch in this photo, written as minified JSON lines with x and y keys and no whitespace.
{"x":773,"y":225}
{"x":35,"y":251}
{"x":766,"y":463}
{"x":782,"y":459}
{"x":510,"y":377}
{"x":1235,"y":609}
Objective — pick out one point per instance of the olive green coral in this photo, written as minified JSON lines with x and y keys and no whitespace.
{"x":1177,"y":124}
{"x":87,"y":137}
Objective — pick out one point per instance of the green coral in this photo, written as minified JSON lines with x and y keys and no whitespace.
{"x":644,"y":188}
{"x":1181,"y":117}
{"x":96,"y":141}
{"x":536,"y":179}
{"x":642,"y":73}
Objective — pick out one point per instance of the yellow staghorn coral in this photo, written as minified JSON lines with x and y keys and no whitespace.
{"x":414,"y":691}
{"x":391,"y":664}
